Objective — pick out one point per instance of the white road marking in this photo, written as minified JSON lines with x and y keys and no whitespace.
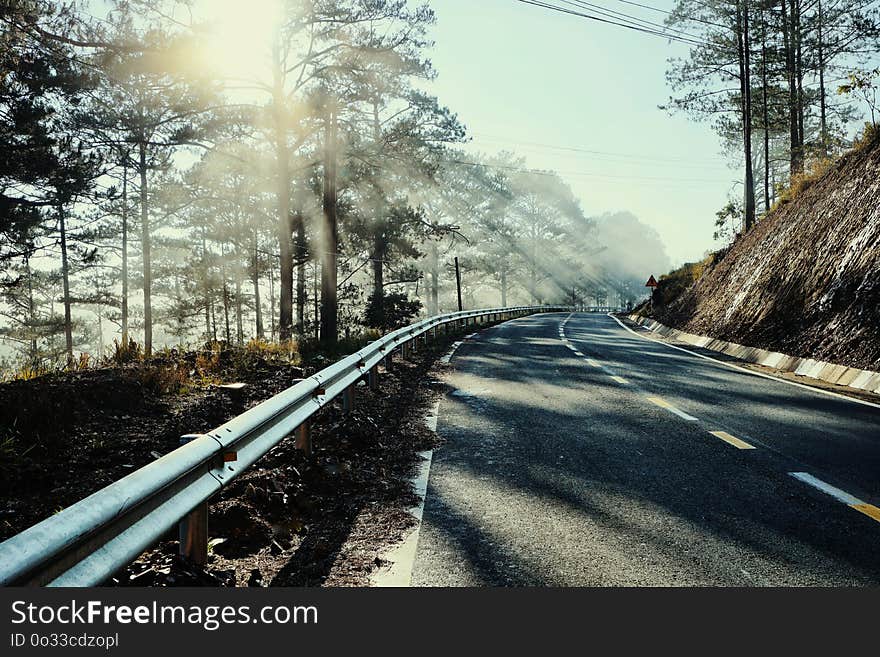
{"x":662,"y":403}
{"x":747,"y":371}
{"x":448,"y":356}
{"x":593,"y":363}
{"x":619,"y":379}
{"x":403,"y":556}
{"x":828,"y":489}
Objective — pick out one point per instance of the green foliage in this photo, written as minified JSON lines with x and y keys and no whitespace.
{"x":865,"y":85}
{"x":390,"y":311}
{"x":678,"y":281}
{"x":727,"y":220}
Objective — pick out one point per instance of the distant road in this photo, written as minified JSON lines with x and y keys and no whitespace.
{"x":579,"y":453}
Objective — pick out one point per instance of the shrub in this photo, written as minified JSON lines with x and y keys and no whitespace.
{"x":868,"y":137}
{"x":390,"y":311}
{"x":126,"y":352}
{"x":163,"y":379}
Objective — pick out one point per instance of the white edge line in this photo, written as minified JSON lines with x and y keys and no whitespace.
{"x":451,"y":353}
{"x":828,"y":489}
{"x":747,"y":371}
{"x":403,"y":555}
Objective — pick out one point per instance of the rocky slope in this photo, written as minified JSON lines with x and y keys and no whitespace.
{"x":806,"y":280}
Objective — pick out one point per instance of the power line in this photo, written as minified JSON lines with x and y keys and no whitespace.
{"x":553,"y":174}
{"x":669,"y":13}
{"x":627,"y":25}
{"x":594,"y":152}
{"x":629,"y":18}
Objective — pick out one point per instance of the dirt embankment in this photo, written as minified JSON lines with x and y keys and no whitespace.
{"x":289,"y":520}
{"x":806,"y":280}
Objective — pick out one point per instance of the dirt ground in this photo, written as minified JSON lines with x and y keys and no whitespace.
{"x":290,"y":520}
{"x":321,"y":520}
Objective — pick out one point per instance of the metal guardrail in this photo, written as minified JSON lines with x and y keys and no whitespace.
{"x":88,"y":542}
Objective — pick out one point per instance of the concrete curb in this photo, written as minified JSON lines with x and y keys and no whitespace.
{"x":808,"y":367}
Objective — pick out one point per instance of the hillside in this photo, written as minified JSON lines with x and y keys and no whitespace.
{"x":806,"y":280}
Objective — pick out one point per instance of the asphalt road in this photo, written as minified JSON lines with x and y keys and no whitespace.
{"x":554,"y":472}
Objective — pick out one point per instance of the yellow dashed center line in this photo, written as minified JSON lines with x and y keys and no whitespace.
{"x":732,"y":440}
{"x":620,"y":379}
{"x":868,"y":509}
{"x":662,"y":403}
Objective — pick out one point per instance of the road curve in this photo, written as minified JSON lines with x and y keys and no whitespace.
{"x":579,"y":454}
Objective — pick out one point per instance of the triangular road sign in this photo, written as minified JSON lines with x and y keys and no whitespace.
{"x":652,"y":282}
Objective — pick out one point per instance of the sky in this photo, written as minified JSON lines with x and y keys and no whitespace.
{"x":550,"y":86}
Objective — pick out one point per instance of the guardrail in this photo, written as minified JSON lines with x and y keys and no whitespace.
{"x":599,"y":309}
{"x":88,"y":542}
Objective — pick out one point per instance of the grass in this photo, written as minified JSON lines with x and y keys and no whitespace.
{"x":678,"y":281}
{"x":818,"y":167}
{"x":177,"y":371}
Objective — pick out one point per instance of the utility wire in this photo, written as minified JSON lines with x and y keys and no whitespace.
{"x":627,"y":25}
{"x":553,"y":174}
{"x":630,"y":18}
{"x":592,"y":152}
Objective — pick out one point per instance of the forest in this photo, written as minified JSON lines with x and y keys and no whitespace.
{"x":167,"y":179}
{"x":152,"y":197}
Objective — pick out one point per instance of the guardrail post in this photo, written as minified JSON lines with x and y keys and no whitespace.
{"x":389,"y":361}
{"x":373,"y":377}
{"x":192,"y":530}
{"x":348,"y":399}
{"x":304,"y":438}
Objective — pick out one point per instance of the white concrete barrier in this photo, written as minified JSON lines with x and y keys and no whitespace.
{"x":815,"y":369}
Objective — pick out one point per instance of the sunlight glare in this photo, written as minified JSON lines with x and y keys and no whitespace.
{"x":240,"y":37}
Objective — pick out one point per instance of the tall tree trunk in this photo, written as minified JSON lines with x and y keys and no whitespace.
{"x":330,"y":237}
{"x":206,"y":278}
{"x":226,"y":313}
{"x":799,"y":75}
{"x":31,"y":310}
{"x":272,"y":329}
{"x":746,"y":102}
{"x":178,"y":297}
{"x":65,"y":277}
{"x":317,"y":316}
{"x":239,"y":319}
{"x":302,"y":255}
{"x":213,"y":321}
{"x":379,"y":245}
{"x":285,"y":246}
{"x":255,"y":281}
{"x":823,"y":119}
{"x":796,"y":161}
{"x":124,"y":304}
{"x":377,"y":257}
{"x":145,"y":249}
{"x":224,"y":291}
{"x":504,"y":286}
{"x":765,"y":112}
{"x":435,"y":280}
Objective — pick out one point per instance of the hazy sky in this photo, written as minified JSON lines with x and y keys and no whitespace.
{"x":539,"y":82}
